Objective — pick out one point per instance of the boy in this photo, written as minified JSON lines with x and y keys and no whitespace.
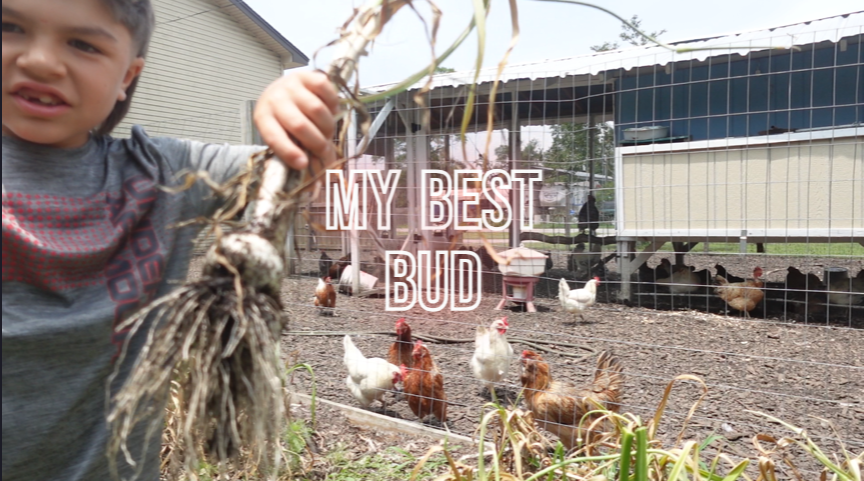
{"x":87,"y":235}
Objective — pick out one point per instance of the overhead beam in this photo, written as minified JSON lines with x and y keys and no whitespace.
{"x":376,"y":124}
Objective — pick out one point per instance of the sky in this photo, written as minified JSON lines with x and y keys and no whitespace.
{"x":549,"y":30}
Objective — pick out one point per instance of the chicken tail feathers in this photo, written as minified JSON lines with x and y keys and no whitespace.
{"x":563,"y":289}
{"x":350,"y":349}
{"x":608,"y":379}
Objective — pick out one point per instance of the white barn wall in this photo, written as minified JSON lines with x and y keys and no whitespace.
{"x":201,"y":67}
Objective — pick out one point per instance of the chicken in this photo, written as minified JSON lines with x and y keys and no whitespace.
{"x":648,"y":275}
{"x":558,"y":407}
{"x":402,"y":348}
{"x":582,"y":263}
{"x":721,"y":271}
{"x":577,"y":300}
{"x":324,"y":264}
{"x":337,"y":267}
{"x":798,"y":285}
{"x":325,"y":296}
{"x":423,"y":385}
{"x":485,"y":259}
{"x":845,"y":291}
{"x":549,"y":263}
{"x":492,"y":354}
{"x":369,"y":379}
{"x":681,"y":279}
{"x":743,"y":296}
{"x":589,"y":216}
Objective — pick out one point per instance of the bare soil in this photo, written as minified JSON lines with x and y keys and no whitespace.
{"x":794,"y":371}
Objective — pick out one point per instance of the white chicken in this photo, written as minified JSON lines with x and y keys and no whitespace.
{"x":578,"y":300}
{"x":368,"y":378}
{"x":492,"y":354}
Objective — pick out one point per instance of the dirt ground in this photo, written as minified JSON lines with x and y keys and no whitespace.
{"x":793,"y":371}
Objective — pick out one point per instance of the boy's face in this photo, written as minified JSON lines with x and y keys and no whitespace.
{"x":65,"y":64}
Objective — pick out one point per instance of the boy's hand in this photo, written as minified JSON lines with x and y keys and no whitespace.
{"x":301,"y":104}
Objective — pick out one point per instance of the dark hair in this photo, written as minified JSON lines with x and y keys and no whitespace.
{"x":137,"y":16}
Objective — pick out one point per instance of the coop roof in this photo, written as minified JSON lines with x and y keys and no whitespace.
{"x":804,"y":33}
{"x":243,"y":14}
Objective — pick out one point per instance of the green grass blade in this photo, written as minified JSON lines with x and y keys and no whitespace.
{"x":626,"y":446}
{"x":681,"y":463}
{"x":312,"y":404}
{"x":737,"y":471}
{"x":641,"y":467}
{"x":481,"y":9}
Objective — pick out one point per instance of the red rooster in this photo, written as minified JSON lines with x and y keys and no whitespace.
{"x":558,"y":407}
{"x":401,"y":351}
{"x":325,"y":296}
{"x":424,"y":386}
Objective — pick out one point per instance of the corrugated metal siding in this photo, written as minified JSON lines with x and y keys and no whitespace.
{"x":201,"y":67}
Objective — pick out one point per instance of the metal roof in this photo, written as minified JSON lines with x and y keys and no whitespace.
{"x":810,"y":32}
{"x":290,"y":55}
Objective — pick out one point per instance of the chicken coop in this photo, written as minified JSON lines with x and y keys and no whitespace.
{"x":728,"y":184}
{"x":743,"y":141}
{"x":758,"y":145}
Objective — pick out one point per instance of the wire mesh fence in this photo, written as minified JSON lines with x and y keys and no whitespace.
{"x":717,"y":197}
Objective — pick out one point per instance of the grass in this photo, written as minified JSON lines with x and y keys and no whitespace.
{"x":392,"y":464}
{"x":630,"y":450}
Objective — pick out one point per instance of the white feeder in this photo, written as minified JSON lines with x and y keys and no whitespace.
{"x":524,"y":262}
{"x":519,"y":292}
{"x":521,"y":275}
{"x":367,"y":281}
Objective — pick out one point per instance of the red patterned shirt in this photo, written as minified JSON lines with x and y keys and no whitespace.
{"x":87,"y":240}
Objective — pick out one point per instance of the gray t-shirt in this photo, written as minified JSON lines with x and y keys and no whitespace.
{"x":87,"y":240}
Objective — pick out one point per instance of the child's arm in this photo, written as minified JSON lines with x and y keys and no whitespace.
{"x":299,"y":106}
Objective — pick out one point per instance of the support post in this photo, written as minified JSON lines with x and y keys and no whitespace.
{"x":568,"y":200}
{"x":354,"y":237}
{"x":421,"y":160}
{"x":515,"y":142}
{"x":389,"y":161}
{"x":591,"y":154}
{"x":626,"y":250}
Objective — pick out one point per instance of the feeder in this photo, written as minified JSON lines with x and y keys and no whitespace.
{"x":520,"y":275}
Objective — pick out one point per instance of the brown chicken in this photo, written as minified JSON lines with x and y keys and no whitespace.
{"x":401,"y":351}
{"x":325,"y":296}
{"x":423,"y":385}
{"x":558,"y":407}
{"x":743,"y":296}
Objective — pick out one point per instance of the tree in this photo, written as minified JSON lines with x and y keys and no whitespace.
{"x":531,"y":151}
{"x":570,"y":150}
{"x":629,"y":35}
